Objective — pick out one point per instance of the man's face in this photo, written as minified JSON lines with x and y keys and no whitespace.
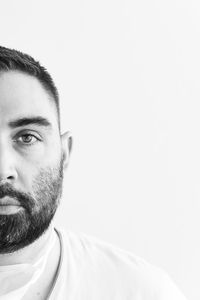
{"x":31,"y":160}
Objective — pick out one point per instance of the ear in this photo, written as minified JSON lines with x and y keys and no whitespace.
{"x":66,"y":142}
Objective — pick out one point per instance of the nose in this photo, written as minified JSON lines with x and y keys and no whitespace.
{"x":8,"y":171}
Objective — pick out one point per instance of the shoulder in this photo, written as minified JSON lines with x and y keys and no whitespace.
{"x":107,"y":265}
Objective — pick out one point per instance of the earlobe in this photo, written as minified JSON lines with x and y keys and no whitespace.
{"x":66,"y":140}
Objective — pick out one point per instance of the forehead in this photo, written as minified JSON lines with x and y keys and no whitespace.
{"x":22,"y":95}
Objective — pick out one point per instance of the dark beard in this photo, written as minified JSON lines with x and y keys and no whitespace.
{"x":33,"y":219}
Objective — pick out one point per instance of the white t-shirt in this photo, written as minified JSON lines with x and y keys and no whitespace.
{"x":91,"y":269}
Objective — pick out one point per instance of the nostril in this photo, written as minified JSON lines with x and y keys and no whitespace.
{"x":2,"y":179}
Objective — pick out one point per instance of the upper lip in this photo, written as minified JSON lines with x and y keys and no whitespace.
{"x":8,"y":201}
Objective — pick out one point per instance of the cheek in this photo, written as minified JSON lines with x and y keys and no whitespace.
{"x":31,"y":160}
{"x":30,"y":170}
{"x":40,"y":154}
{"x":27,"y":172}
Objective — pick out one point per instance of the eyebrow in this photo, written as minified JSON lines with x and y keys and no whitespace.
{"x":39,"y":121}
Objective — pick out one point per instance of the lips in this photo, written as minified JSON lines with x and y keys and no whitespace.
{"x":7,"y":201}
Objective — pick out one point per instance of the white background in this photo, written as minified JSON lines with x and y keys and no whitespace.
{"x":128,"y":72}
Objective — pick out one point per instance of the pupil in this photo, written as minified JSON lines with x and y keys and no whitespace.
{"x":27,"y":138}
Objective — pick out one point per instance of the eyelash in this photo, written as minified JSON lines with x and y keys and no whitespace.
{"x":26,"y":135}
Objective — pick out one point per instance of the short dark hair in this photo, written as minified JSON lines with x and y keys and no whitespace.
{"x":11,"y":59}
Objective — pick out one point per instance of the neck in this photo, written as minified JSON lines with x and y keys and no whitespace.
{"x":29,"y":253}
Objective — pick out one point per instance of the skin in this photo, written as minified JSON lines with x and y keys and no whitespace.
{"x":27,"y":152}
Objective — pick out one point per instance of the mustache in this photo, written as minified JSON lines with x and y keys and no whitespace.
{"x":24,"y":199}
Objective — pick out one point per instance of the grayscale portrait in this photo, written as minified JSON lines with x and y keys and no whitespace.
{"x":99,"y":150}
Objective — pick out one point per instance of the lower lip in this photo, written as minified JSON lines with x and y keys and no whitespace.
{"x":9,"y":209}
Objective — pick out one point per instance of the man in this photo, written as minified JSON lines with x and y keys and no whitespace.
{"x":38,"y":261}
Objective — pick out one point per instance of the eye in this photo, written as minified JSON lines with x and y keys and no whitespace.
{"x":27,"y":139}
